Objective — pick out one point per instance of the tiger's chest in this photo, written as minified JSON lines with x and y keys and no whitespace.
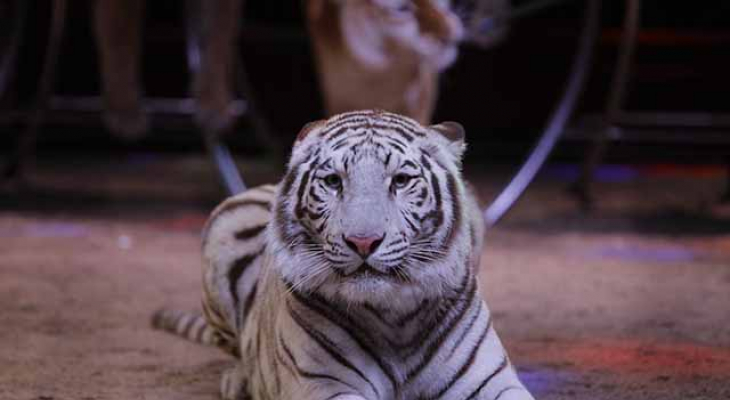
{"x":310,"y":352}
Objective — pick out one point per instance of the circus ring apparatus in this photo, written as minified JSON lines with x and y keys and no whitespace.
{"x":11,"y":39}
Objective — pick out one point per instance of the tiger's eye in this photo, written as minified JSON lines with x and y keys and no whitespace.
{"x":401,"y":180}
{"x":333,"y":181}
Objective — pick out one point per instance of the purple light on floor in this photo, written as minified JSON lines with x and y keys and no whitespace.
{"x":540,"y":381}
{"x":46,"y":230}
{"x":616,"y":173}
{"x":638,"y":254}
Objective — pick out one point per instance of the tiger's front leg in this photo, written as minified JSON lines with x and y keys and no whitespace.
{"x":327,"y":391}
{"x":511,"y":391}
{"x":514,"y":393}
{"x":234,"y":385}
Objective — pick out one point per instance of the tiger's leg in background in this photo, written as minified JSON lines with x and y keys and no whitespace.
{"x":421,"y":96}
{"x":213,"y":83}
{"x":117,"y":27}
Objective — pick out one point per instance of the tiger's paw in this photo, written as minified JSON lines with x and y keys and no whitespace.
{"x":233,"y":385}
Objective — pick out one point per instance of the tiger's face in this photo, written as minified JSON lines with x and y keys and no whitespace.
{"x":369,"y":209}
{"x":377,"y":31}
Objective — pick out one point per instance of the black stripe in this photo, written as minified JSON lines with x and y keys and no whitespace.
{"x":289,"y":180}
{"x":338,"y":394}
{"x":394,"y":141}
{"x":468,"y":328}
{"x":436,"y":214}
{"x":392,"y":250}
{"x":408,"y":317}
{"x":235,"y":273}
{"x":345,"y":322}
{"x":408,"y":136}
{"x":229,"y":206}
{"x":436,"y":343}
{"x":406,"y":125}
{"x":280,"y":212}
{"x":303,"y":182}
{"x":342,"y":126}
{"x":313,"y":195}
{"x":396,"y":147}
{"x":355,"y":117}
{"x":398,"y":119}
{"x":501,"y":392}
{"x":248,"y":304}
{"x":328,"y":346}
{"x":455,"y":211}
{"x":464,"y":367}
{"x":248,"y":233}
{"x":307,"y":374}
{"x":280,"y":358}
{"x":484,"y":383}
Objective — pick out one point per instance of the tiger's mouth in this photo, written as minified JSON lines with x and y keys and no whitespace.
{"x":365,"y":270}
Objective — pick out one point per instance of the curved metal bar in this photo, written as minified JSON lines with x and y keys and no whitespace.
{"x":226,"y":165}
{"x":616,"y":99}
{"x":26,"y":143}
{"x":557,"y":123}
{"x":218,"y":151}
{"x":8,"y":62}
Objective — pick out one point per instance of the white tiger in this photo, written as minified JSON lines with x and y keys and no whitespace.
{"x":355,"y":277}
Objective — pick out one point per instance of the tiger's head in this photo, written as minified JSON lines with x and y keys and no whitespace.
{"x":377,"y":31}
{"x":370,"y":210}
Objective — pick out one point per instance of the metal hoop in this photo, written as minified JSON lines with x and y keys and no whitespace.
{"x":24,"y":150}
{"x":558,"y":120}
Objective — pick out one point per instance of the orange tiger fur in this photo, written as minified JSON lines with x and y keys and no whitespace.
{"x":365,"y":58}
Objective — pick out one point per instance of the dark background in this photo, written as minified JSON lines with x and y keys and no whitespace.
{"x":502,"y":95}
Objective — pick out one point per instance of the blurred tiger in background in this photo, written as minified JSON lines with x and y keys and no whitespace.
{"x":384,"y":54}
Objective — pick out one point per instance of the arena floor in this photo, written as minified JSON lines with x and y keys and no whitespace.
{"x":629,"y":302}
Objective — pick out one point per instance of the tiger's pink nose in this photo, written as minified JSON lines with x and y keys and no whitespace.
{"x":363,"y":245}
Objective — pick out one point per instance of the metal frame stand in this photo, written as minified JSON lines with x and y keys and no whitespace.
{"x":23,"y":155}
{"x":581,"y":189}
{"x":558,"y":120}
{"x":217,"y":150}
{"x":9,"y":55}
{"x":24,"y":151}
{"x":224,"y":161}
{"x":615,"y":117}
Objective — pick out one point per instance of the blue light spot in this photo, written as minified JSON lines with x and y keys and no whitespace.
{"x":541,"y":381}
{"x":638,"y":254}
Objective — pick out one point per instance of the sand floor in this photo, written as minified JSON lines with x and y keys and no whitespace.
{"x":630,"y":302}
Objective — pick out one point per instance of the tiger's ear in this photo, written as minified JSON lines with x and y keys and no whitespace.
{"x":453,"y":132}
{"x":361,"y":33}
{"x":307,"y":129}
